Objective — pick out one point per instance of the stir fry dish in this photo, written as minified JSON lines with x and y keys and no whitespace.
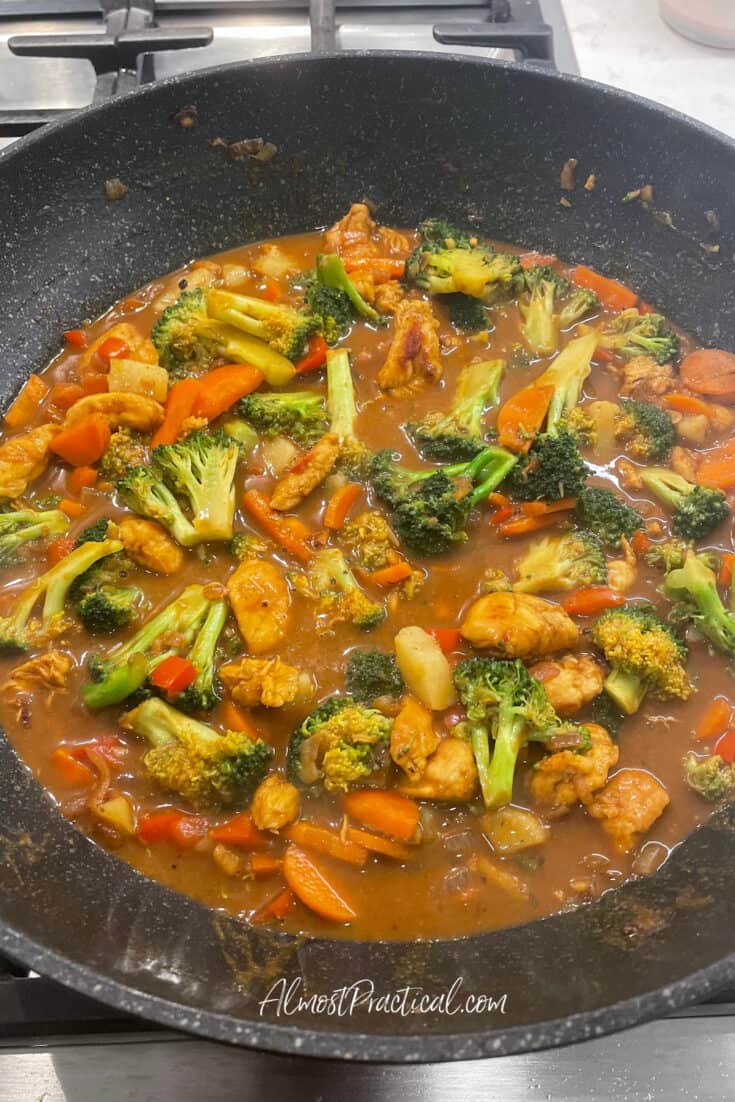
{"x":374,"y":582}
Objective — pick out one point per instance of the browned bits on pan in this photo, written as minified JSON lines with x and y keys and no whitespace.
{"x":115,"y":189}
{"x":567,"y":174}
{"x":188,"y":117}
{"x":565,"y":202}
{"x":258,"y":149}
{"x":590,"y":182}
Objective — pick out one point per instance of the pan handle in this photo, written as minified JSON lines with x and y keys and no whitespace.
{"x":534,"y":42}
{"x":323,"y":26}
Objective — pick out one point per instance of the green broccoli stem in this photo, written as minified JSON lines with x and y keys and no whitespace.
{"x":508,"y":742}
{"x":205,"y":644}
{"x":566,"y":375}
{"x":497,"y":465}
{"x":330,"y":272}
{"x":57,"y":580}
{"x":669,"y":487}
{"x":626,"y":689}
{"x":340,"y":393}
{"x":480,"y":740}
{"x":477,"y":388}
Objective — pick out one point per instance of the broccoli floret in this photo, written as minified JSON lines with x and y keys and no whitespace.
{"x":17,"y":631}
{"x":189,"y":758}
{"x":242,"y":433}
{"x":372,"y":674}
{"x":96,"y":532}
{"x":580,"y":302}
{"x":331,"y":584}
{"x":647,"y":430}
{"x":298,"y":414}
{"x":696,"y":510}
{"x":551,"y":469}
{"x":121,"y":672}
{"x":458,"y":435}
{"x":581,"y":425}
{"x":635,"y":334}
{"x":540,"y":323}
{"x":108,"y":609}
{"x":465,"y":313}
{"x":330,"y":272}
{"x":566,"y":375}
{"x":204,"y":691}
{"x":476,"y":271}
{"x":693,"y":589}
{"x":331,"y":308}
{"x":605,"y":712}
{"x":369,"y":541}
{"x":246,"y":545}
{"x":645,"y":656}
{"x":23,"y":526}
{"x":562,"y":562}
{"x":668,"y":555}
{"x":126,"y":449}
{"x":354,"y":457}
{"x":339,"y":744}
{"x":201,"y":469}
{"x":430,"y":509}
{"x":506,"y":705}
{"x":606,"y":516}
{"x":710,"y":777}
{"x":443,"y":235}
{"x":283,"y":328}
{"x":189,"y":340}
{"x":101,"y":597}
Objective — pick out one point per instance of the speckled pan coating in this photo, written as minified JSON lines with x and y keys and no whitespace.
{"x":417,"y":135}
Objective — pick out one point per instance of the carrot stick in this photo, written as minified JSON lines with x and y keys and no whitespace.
{"x":591,"y":600}
{"x":263,"y":864}
{"x":640,"y":543}
{"x":534,"y":259}
{"x":521,"y":417}
{"x":314,"y":357}
{"x":76,"y":337}
{"x":74,"y":772}
{"x":240,"y":830}
{"x":323,"y":840}
{"x":340,"y":504}
{"x":525,"y":525}
{"x":309,"y":883}
{"x":393,"y":269}
{"x":501,"y":515}
{"x":498,"y":500}
{"x":544,"y":508}
{"x":25,"y":406}
{"x":180,"y":403}
{"x":388,"y":812}
{"x":223,"y":387}
{"x":80,"y":478}
{"x":714,"y":720}
{"x":717,"y":471}
{"x":278,"y":527}
{"x":727,"y":563}
{"x":95,"y":384}
{"x":84,"y":443}
{"x":64,"y":395}
{"x":391,"y":575}
{"x":70,"y":508}
{"x":59,"y":548}
{"x":277,"y":907}
{"x":613,"y":295}
{"x":234,"y":719}
{"x":687,"y":403}
{"x":270,"y":289}
{"x":375,"y":843}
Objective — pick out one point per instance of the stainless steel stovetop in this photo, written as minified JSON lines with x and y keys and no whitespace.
{"x":56,"y":1046}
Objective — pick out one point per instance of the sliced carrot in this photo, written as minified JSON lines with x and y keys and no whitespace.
{"x":391,"y":575}
{"x":188,"y":830}
{"x":521,"y":417}
{"x":376,"y":843}
{"x":592,"y":600}
{"x":447,"y":638}
{"x":385,"y":265}
{"x":76,"y":337}
{"x":645,"y":308}
{"x":640,"y":543}
{"x":727,"y":564}
{"x":314,"y":357}
{"x":525,"y":525}
{"x":339,"y":505}
{"x":113,"y":348}
{"x":714,"y":720}
{"x":180,"y":403}
{"x":687,"y":403}
{"x":25,"y":407}
{"x":71,"y":509}
{"x":269,"y":288}
{"x":263,"y":864}
{"x":168,"y":825}
{"x":725,"y":747}
{"x":278,"y":527}
{"x":277,"y":907}
{"x":240,"y":830}
{"x":498,"y":500}
{"x":710,"y":371}
{"x":717,"y":470}
{"x":234,"y":719}
{"x":81,"y":478}
{"x":223,"y":387}
{"x":501,"y":515}
{"x":93,"y":383}
{"x":613,"y":295}
{"x":59,"y":548}
{"x":84,"y":443}
{"x":311,"y":884}
{"x":64,"y":395}
{"x":534,"y":259}
{"x":546,"y":508}
{"x":74,"y":772}
{"x":326,"y":841}
{"x":388,"y":812}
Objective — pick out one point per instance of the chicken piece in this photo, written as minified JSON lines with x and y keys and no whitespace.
{"x":413,"y":738}
{"x":394,"y":242}
{"x":629,"y":475}
{"x":149,"y":546}
{"x":47,"y":671}
{"x":134,"y":411}
{"x":364,"y":284}
{"x":684,"y":462}
{"x":266,"y":681}
{"x":204,"y":275}
{"x":570,"y":682}
{"x":518,"y":625}
{"x":191,"y":425}
{"x":560,"y":780}
{"x":415,"y":354}
{"x":354,"y":235}
{"x":450,"y":774}
{"x":305,"y":474}
{"x":646,"y":379}
{"x":261,"y":601}
{"x":23,"y":458}
{"x":622,"y":573}
{"x":628,"y":806}
{"x":140,"y":348}
{"x":388,"y":296}
{"x":275,"y":804}
{"x":721,"y":418}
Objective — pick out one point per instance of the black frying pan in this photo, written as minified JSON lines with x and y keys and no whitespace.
{"x":418,"y":135}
